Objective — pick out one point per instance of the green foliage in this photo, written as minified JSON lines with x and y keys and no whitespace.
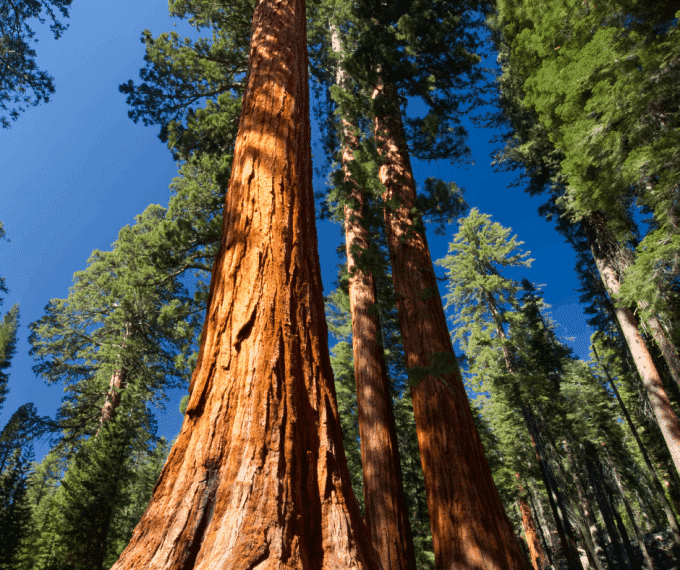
{"x":131,"y":309}
{"x":86,"y":502}
{"x":14,"y":508}
{"x":192,"y":87}
{"x":587,"y":90}
{"x":8,"y":340}
{"x":22,"y":84}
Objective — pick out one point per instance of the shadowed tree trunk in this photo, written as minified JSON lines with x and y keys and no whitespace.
{"x":258,"y":476}
{"x":658,"y":488}
{"x":602,"y":247}
{"x":546,"y":535}
{"x":386,"y":512}
{"x":530,"y":532}
{"x":470,"y":529}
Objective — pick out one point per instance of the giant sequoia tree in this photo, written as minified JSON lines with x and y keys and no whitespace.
{"x":258,"y":476}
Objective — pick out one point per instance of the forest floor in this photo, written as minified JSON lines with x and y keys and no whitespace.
{"x":660,"y":548}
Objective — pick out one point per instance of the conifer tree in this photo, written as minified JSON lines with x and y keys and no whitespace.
{"x":22,"y":84}
{"x":8,"y":335}
{"x":257,"y":476}
{"x":17,"y":453}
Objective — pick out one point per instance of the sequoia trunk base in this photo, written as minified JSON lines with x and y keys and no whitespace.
{"x":258,"y":476}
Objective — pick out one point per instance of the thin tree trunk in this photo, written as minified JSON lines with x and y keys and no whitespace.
{"x":595,"y":230}
{"x":658,"y":487}
{"x":117,"y":383}
{"x":638,"y":535}
{"x":555,"y":499}
{"x":386,"y":514}
{"x":470,"y":528}
{"x":587,"y":523}
{"x":537,"y":507}
{"x":595,"y":477}
{"x":258,"y":477}
{"x":531,"y":534}
{"x":564,"y":529}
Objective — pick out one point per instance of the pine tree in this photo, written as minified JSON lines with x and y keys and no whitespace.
{"x":14,"y":472}
{"x":21,"y":82}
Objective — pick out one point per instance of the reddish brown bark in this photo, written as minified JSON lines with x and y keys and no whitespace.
{"x":470,"y":528}
{"x":531,"y":534}
{"x":386,"y":513}
{"x":258,"y":477}
{"x":602,"y":246}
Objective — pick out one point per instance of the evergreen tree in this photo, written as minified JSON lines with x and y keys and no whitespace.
{"x":8,"y":335}
{"x":192,"y":88}
{"x":8,"y":340}
{"x":14,"y":472}
{"x":22,"y":84}
{"x":258,"y":477}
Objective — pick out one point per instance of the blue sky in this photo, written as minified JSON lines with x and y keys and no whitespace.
{"x":76,"y":170}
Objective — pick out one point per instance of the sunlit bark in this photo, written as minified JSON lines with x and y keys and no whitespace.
{"x":470,"y":529}
{"x":258,"y":477}
{"x":601,"y":246}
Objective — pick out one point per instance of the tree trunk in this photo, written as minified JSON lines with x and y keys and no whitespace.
{"x":658,"y":488}
{"x":531,"y":534}
{"x":587,"y":523}
{"x":117,"y":383}
{"x":470,"y":528}
{"x":638,"y":535}
{"x":386,"y":514}
{"x":595,"y":229}
{"x":555,"y":499}
{"x":258,"y":477}
{"x":546,"y":535}
{"x":554,"y":495}
{"x":598,"y":486}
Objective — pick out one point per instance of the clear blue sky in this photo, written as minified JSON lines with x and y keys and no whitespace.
{"x":76,"y":170}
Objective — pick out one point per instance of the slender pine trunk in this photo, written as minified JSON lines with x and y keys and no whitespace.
{"x":539,"y":516}
{"x":258,"y":477}
{"x":470,"y":528}
{"x":601,"y":246}
{"x":587,"y":522}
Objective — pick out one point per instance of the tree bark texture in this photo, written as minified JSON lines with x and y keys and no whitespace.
{"x":531,"y":534}
{"x":386,"y":512}
{"x":547,"y":536}
{"x":258,"y":476}
{"x":470,"y":528}
{"x":595,"y":230}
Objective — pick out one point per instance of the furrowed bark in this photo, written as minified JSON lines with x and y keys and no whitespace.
{"x":258,"y":477}
{"x":386,"y":513}
{"x":470,"y":528}
{"x":531,"y":535}
{"x":595,"y":230}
